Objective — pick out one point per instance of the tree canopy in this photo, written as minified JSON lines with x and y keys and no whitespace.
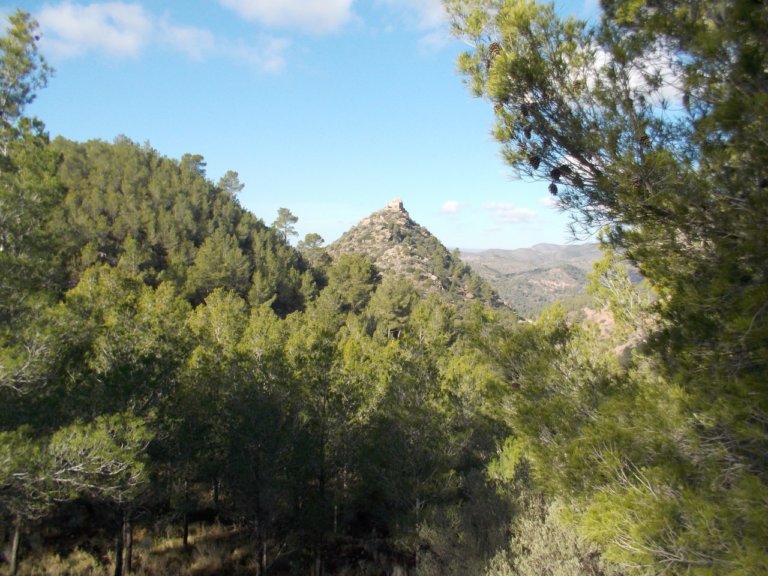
{"x":164,"y":354}
{"x":648,"y":125}
{"x":162,"y":350}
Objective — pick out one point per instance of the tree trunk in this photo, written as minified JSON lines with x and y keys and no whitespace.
{"x":264,"y":555}
{"x":128,"y":540}
{"x":119,"y":548}
{"x":216,"y":495}
{"x":257,"y":538}
{"x":185,"y":535}
{"x":322,"y":485}
{"x":15,"y":546}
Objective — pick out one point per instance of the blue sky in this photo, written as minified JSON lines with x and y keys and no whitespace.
{"x":330,"y":108}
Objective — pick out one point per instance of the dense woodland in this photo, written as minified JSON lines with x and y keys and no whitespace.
{"x":183,"y":392}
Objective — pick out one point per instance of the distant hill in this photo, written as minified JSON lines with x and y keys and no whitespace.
{"x":529,"y":279}
{"x":397,"y":245}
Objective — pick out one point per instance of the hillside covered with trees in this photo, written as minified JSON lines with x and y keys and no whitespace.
{"x":183,"y":392}
{"x":168,"y":359}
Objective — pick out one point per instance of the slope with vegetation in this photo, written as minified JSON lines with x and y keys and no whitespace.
{"x":649,"y":124}
{"x":399,"y":246}
{"x":183,"y":392}
{"x":167,"y":360}
{"x":531,"y":279}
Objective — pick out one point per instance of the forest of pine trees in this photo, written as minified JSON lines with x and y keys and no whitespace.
{"x":183,"y":392}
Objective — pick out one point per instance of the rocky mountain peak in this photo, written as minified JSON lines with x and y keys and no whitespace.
{"x":392,"y":213}
{"x":397,"y":205}
{"x":399,"y":246}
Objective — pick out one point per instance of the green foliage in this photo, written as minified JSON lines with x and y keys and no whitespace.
{"x":678,"y":188}
{"x":284,"y":223}
{"x":219,"y":263}
{"x":390,"y":307}
{"x":630,"y":305}
{"x":24,"y":70}
{"x":230,"y":183}
{"x":312,"y":249}
{"x":126,"y":205}
{"x":105,"y":458}
{"x":646,"y":123}
{"x":543,"y":544}
{"x":26,"y":487}
{"x":126,"y":343}
{"x":351,"y":281}
{"x":211,"y":376}
{"x":29,"y":190}
{"x":161,"y":345}
{"x":461,"y":538}
{"x":640,"y":474}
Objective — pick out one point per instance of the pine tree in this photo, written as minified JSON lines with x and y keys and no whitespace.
{"x":649,"y":124}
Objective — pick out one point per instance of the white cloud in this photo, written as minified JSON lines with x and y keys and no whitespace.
{"x":318,"y":16}
{"x":450,"y":207}
{"x":658,"y":62}
{"x":435,"y":40}
{"x":590,"y":7}
{"x":268,"y":55}
{"x":508,"y":213}
{"x":549,"y":201}
{"x":427,"y":16}
{"x":123,"y":30}
{"x":426,"y":13}
{"x":195,"y":42}
{"x":114,"y":27}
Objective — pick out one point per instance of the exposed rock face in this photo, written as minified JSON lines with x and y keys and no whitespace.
{"x":397,"y":245}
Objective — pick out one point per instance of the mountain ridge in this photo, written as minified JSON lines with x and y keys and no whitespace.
{"x":531,"y":278}
{"x":399,"y":246}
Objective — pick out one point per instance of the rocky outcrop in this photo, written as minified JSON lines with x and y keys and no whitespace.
{"x":399,"y":246}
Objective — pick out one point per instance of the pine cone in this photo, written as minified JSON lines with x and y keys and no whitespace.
{"x":553,"y":189}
